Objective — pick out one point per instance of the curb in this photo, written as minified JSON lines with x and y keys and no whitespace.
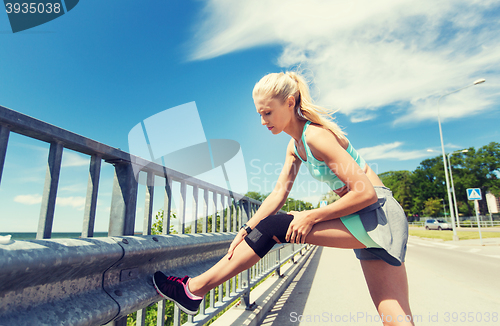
{"x":487,"y":242}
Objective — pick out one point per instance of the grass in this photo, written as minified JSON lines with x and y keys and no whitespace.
{"x":448,"y":235}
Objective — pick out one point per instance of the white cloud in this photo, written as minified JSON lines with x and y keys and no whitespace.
{"x":75,"y":202}
{"x":391,"y":151}
{"x":74,"y":159}
{"x":368,"y":54}
{"x":447,"y":147}
{"x":28,"y":199}
{"x":81,"y":188}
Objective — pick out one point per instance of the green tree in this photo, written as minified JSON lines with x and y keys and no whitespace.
{"x":401,"y":185}
{"x":477,"y":169}
{"x":473,"y":169}
{"x":428,"y":181}
{"x":292,"y":204}
{"x":330,"y":197}
{"x":157,"y":226}
{"x":432,"y":207}
{"x":255,"y":195}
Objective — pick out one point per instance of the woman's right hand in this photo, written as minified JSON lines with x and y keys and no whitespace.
{"x":237,"y":240}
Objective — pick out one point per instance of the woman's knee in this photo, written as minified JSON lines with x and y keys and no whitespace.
{"x":275,"y":225}
{"x":263,"y":236}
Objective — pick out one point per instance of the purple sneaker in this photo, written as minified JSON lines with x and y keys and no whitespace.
{"x":174,"y":289}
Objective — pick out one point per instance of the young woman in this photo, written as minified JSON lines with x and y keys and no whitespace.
{"x":366,"y":218}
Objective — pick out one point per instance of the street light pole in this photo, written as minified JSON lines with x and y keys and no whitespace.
{"x":444,"y":207}
{"x":479,"y":81}
{"x":453,"y":186}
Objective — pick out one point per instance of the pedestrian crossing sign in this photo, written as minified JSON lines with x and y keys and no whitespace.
{"x":474,"y":194}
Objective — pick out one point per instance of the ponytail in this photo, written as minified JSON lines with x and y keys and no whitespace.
{"x":283,"y":85}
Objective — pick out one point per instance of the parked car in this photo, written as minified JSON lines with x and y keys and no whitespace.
{"x":437,"y":224}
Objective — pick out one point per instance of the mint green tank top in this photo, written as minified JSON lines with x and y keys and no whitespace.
{"x":319,"y":170}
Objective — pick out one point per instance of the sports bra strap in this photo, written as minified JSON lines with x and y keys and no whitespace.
{"x":307,"y":149}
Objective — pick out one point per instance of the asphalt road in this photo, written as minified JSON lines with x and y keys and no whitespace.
{"x":450,"y":284}
{"x":454,"y":283}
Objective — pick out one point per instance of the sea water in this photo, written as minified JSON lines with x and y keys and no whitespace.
{"x":55,"y":235}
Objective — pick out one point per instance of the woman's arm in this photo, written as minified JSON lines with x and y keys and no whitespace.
{"x":325,"y":147}
{"x":278,"y":196}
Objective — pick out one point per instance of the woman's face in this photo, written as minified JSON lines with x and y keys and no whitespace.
{"x":274,"y":114}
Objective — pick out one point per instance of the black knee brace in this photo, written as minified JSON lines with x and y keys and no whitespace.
{"x":261,"y":238}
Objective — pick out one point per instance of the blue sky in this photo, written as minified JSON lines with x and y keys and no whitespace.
{"x":105,"y":66}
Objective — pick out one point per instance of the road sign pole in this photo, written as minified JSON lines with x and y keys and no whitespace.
{"x":475,"y":195}
{"x":476,"y":206}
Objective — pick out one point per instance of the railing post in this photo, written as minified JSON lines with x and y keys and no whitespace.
{"x":205,"y":211}
{"x":245,"y":275}
{"x":278,"y":261}
{"x":91,"y":200}
{"x":245,"y":211}
{"x":234,"y":215}
{"x":177,"y":316}
{"x":182,"y":208}
{"x":222,"y":213}
{"x":194,"y":223}
{"x":141,"y":317}
{"x":167,"y":205}
{"x":123,"y":201}
{"x":228,"y":289}
{"x":160,"y":315}
{"x":50,"y":192}
{"x":119,"y":322}
{"x":4,"y":140}
{"x":246,"y":284}
{"x":148,"y":204}
{"x":214,"y":216}
{"x":293,"y":250}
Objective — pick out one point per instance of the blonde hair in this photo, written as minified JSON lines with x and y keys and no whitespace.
{"x":283,"y":85}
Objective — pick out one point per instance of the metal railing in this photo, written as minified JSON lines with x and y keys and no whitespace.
{"x":465,"y":221}
{"x":93,"y":281}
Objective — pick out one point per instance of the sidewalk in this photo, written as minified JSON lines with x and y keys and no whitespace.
{"x":331,"y":290}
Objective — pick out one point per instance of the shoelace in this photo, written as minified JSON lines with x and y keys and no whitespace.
{"x":174,"y":279}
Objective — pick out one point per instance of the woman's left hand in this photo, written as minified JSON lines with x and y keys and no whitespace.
{"x":299,"y":228}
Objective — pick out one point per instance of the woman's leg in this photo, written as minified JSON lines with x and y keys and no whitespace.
{"x":388,"y":288}
{"x":387,"y":284}
{"x":243,"y":258}
{"x":333,"y":233}
{"x":330,"y":233}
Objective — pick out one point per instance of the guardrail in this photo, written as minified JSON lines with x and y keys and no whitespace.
{"x":465,"y":222}
{"x":93,"y":281}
